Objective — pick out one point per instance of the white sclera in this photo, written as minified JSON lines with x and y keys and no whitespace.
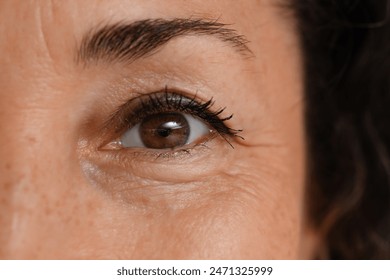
{"x":131,"y":138}
{"x":197,"y":128}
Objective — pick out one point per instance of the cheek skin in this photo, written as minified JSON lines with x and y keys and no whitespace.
{"x":231,"y":212}
{"x":250,"y":207}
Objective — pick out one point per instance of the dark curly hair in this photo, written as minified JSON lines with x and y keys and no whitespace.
{"x":347,"y":58}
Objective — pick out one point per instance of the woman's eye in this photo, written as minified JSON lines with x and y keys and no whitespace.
{"x":165,"y":131}
{"x":166,"y":120}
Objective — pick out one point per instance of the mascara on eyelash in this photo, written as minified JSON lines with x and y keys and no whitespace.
{"x":134,"y":110}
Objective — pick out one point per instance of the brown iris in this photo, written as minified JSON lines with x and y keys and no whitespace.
{"x":164,"y":130}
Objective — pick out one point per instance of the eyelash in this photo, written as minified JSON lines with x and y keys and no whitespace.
{"x":128,"y":115}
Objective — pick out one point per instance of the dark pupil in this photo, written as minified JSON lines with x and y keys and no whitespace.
{"x":164,"y":130}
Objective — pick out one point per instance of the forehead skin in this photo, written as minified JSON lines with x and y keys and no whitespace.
{"x":62,"y":201}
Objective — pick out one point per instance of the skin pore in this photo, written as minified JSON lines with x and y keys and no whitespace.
{"x":69,"y":189}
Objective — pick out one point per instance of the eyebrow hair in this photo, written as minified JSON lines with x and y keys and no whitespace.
{"x":127,"y":42}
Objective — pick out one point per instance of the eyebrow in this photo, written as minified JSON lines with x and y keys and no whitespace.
{"x":127,"y":42}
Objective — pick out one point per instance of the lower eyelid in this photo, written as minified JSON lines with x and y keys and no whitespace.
{"x":187,"y":153}
{"x":164,"y":166}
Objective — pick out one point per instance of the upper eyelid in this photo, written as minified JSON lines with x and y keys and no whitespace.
{"x":124,"y":109}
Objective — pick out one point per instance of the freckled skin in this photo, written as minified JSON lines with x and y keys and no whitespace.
{"x":62,"y":198}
